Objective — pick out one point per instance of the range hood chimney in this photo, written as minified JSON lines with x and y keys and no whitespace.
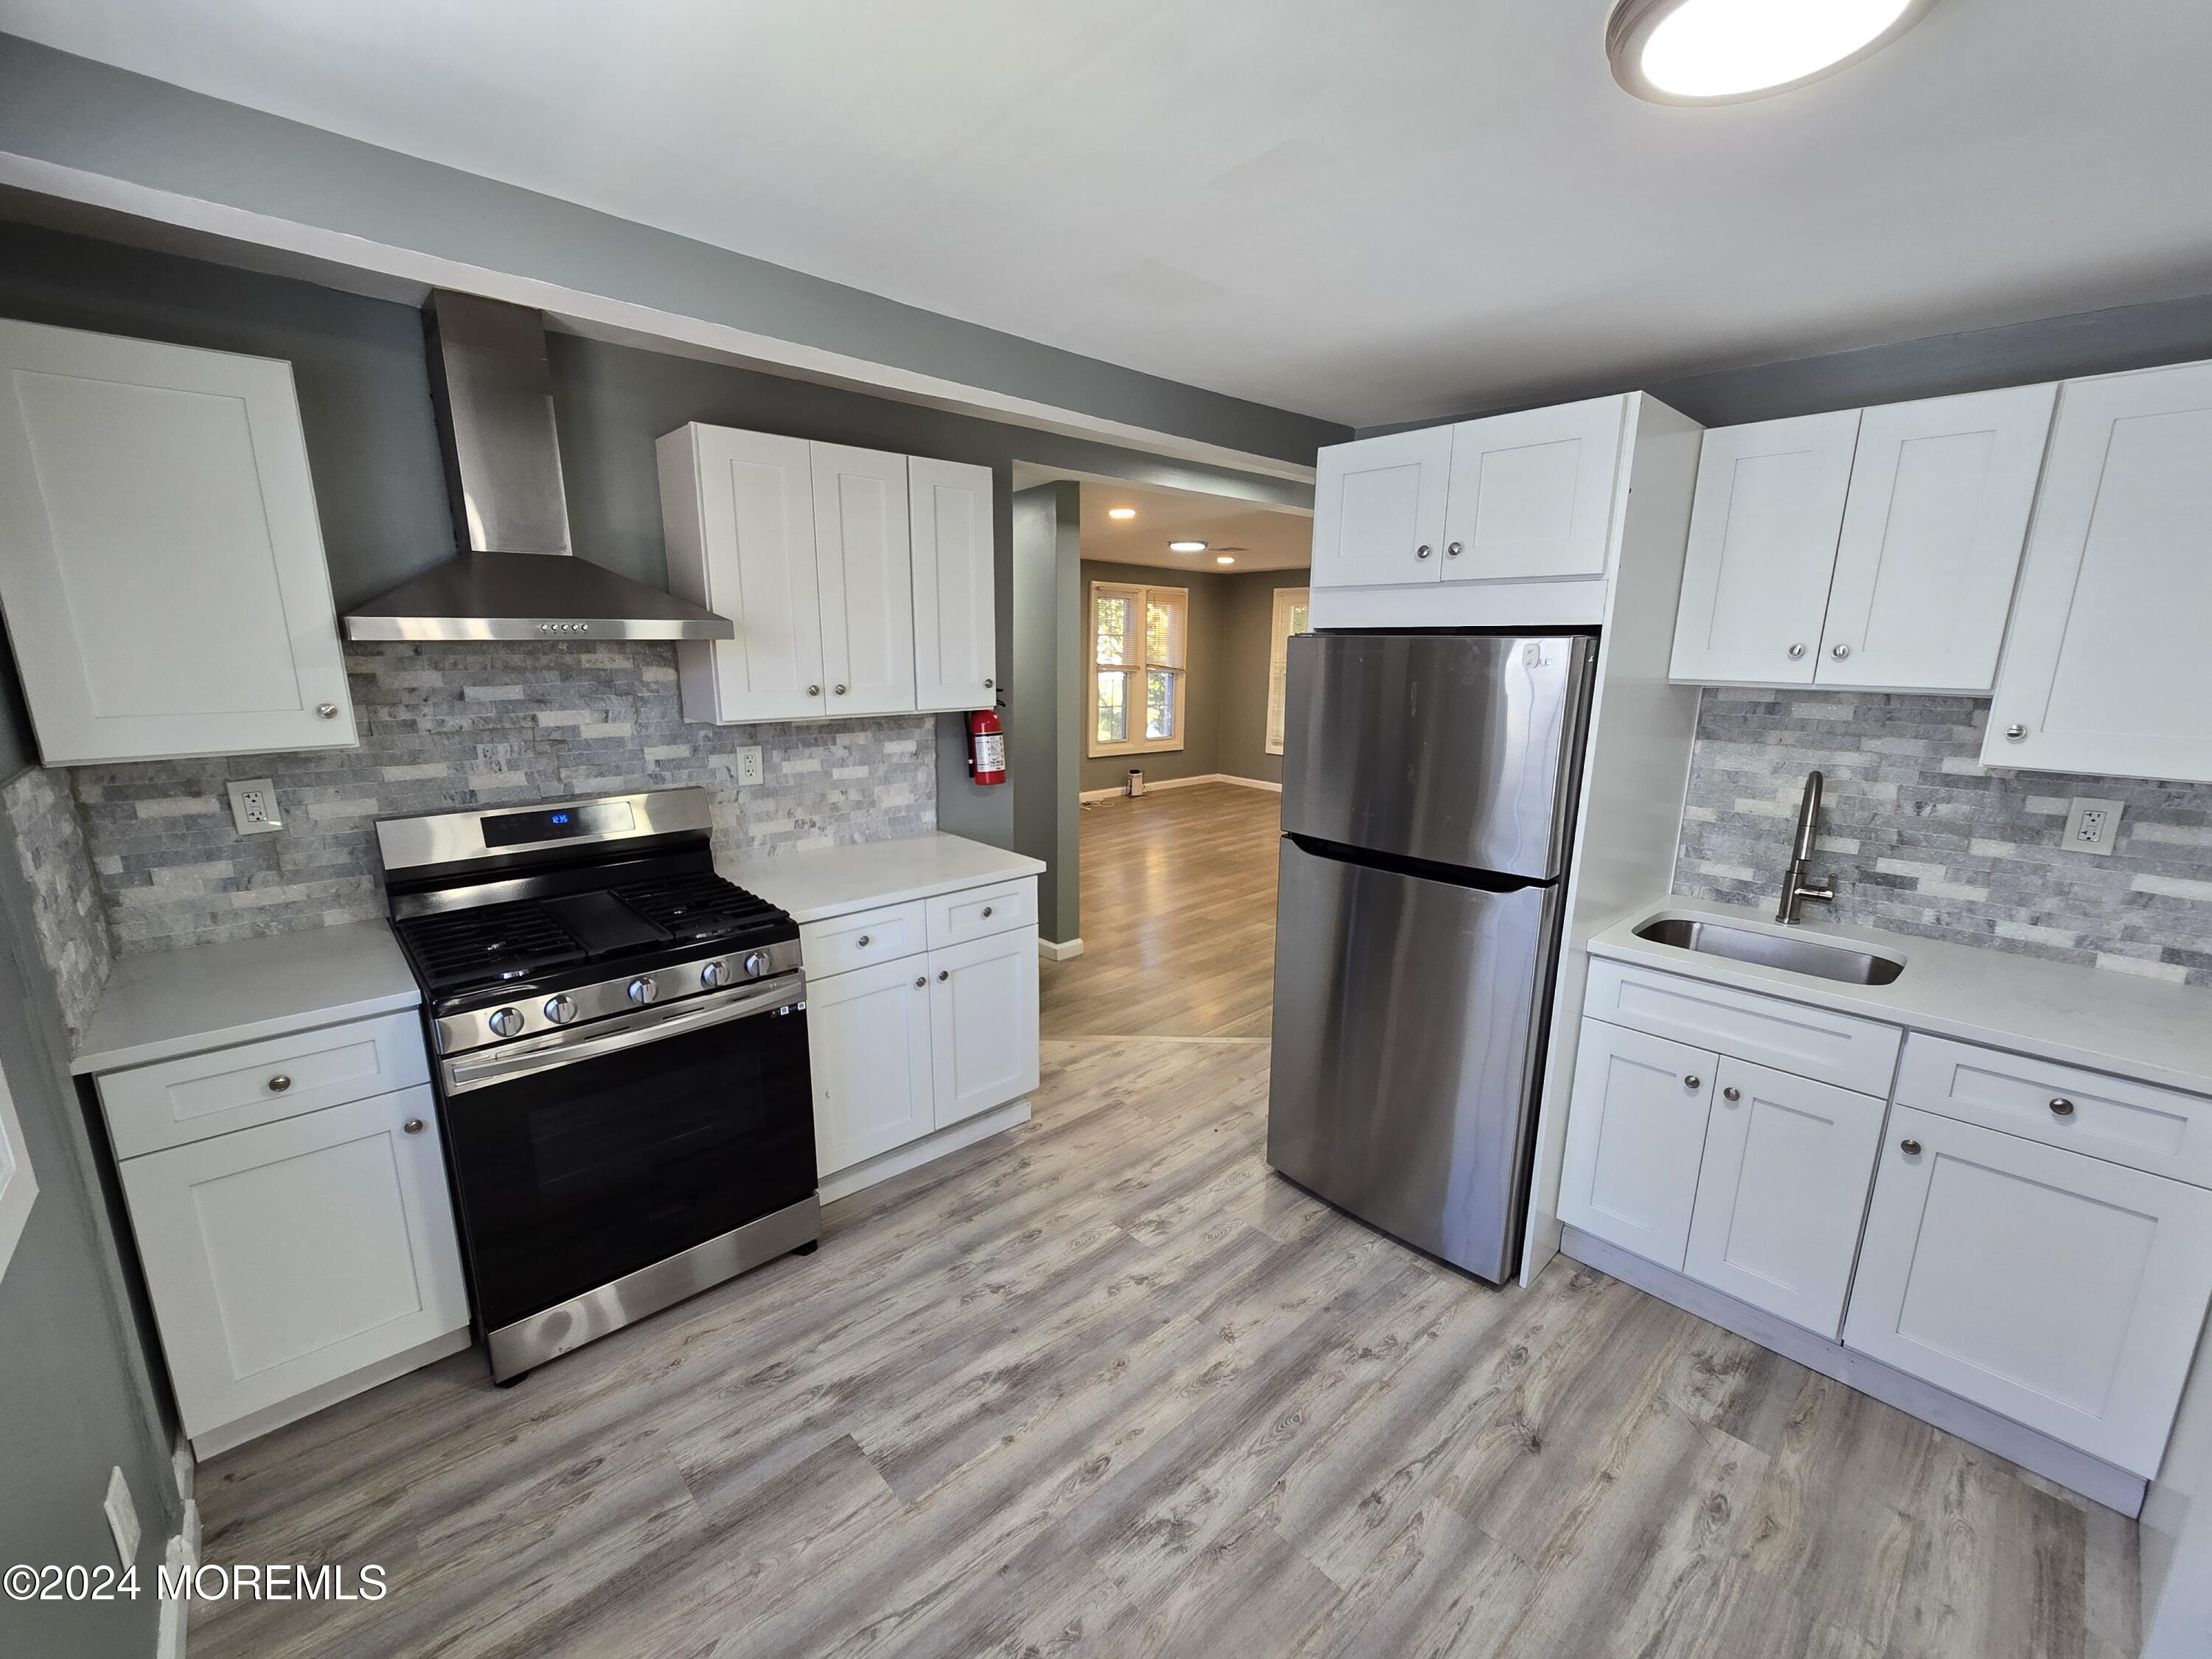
{"x":516,"y":576}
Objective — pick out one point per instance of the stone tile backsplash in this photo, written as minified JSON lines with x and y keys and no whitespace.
{"x":447,"y":725}
{"x":1919,"y":837}
{"x":50,"y":846}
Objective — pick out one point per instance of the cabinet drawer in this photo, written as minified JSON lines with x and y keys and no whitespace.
{"x":1852,"y":1053}
{"x":978,"y":912}
{"x":2165,"y":1133}
{"x":861,"y":939}
{"x":174,"y":1102}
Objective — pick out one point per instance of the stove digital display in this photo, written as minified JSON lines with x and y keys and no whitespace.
{"x":594,"y":818}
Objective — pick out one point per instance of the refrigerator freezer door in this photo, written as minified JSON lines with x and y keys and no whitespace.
{"x":1457,"y":748}
{"x":1406,"y":1038}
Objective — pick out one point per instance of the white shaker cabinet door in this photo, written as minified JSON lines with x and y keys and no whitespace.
{"x":288,"y":1255}
{"x":2106,"y":670}
{"x":1781,"y":1192}
{"x":868,"y":1037}
{"x":956,"y":628}
{"x":1933,"y":528}
{"x":737,"y":509}
{"x":1763,"y":529}
{"x":2064,"y":1292}
{"x":983,"y":1023}
{"x":1531,"y":493}
{"x":1636,"y":1131}
{"x":864,"y":564}
{"x":160,"y":560}
{"x":1379,"y":509}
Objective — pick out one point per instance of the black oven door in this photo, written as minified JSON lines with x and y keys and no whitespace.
{"x":585,"y":1156}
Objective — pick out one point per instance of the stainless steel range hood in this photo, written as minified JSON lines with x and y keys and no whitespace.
{"x":516,"y":577}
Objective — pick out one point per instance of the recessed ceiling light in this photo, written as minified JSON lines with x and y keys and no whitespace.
{"x":1223,"y":558}
{"x":1186,"y":547}
{"x":1121,"y":512}
{"x":1719,"y":52}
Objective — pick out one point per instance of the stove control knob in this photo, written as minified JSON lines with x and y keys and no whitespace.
{"x":711,"y":975}
{"x":756,"y":964}
{"x":643,"y":989}
{"x":506,"y":1022}
{"x":561,"y":1010}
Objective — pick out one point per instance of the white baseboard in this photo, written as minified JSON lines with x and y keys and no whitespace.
{"x":182,"y":1555}
{"x":2030,"y":1449}
{"x":1064,"y":949}
{"x":1153,"y":784}
{"x":915,"y":1154}
{"x":183,"y":1468}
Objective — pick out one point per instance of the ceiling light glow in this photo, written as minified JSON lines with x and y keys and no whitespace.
{"x":1718,"y":52}
{"x":1121,"y":512}
{"x":1186,"y":547}
{"x":1223,"y":558}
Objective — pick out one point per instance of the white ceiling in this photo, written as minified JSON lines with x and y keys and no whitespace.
{"x":1257,"y":538}
{"x":1368,"y":213}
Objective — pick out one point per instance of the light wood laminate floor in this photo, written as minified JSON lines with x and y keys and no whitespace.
{"x":1178,"y":917}
{"x":1105,"y":1386}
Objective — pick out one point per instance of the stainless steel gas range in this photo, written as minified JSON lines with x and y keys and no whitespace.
{"x":621,"y":1039}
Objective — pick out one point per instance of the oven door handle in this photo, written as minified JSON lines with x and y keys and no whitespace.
{"x":461,"y":1076}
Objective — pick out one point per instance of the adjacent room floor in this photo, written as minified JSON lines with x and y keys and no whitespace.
{"x":1105,"y":1385}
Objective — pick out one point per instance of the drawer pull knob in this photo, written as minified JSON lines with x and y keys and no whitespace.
{"x":1909,"y":1147}
{"x":1731,"y":1093}
{"x":2016,"y":732}
{"x":1840,"y":653}
{"x":986,"y":909}
{"x":944,"y":974}
{"x":863,"y":939}
{"x":1454,"y":550}
{"x":1422,"y":551}
{"x":813,"y":690}
{"x":1796,"y":652}
{"x":986,"y":685}
{"x":327,"y":711}
{"x":841,"y":691}
{"x":2062,"y":1107}
{"x":278,"y":1084}
{"x":413,"y":1126}
{"x":920,"y":980}
{"x":1693,"y":1081}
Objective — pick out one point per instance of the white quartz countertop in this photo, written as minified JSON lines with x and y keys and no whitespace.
{"x":208,"y":996}
{"x":834,"y":881}
{"x":2144,"y":1029}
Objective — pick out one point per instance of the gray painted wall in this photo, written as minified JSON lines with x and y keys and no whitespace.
{"x":1044,"y":728}
{"x":1201,"y":688}
{"x":1247,"y":642}
{"x":75,"y":1395}
{"x":77,"y":113}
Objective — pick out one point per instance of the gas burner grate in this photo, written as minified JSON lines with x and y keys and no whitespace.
{"x":457,"y":949}
{"x":697,"y":907}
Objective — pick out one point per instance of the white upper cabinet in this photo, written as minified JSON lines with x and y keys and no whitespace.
{"x":1939,"y":498}
{"x":160,"y":560}
{"x":956,"y":634}
{"x":2106,"y":669}
{"x":864,"y":567}
{"x":1530,"y":496}
{"x":1763,"y":531}
{"x":1379,"y":509}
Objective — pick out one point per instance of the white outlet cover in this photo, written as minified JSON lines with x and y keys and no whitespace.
{"x":748,"y":764}
{"x":2092,"y":825}
{"x":253,"y":806}
{"x":122,"y":1516}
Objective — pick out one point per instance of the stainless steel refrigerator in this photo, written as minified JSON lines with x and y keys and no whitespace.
{"x":1429,"y":791}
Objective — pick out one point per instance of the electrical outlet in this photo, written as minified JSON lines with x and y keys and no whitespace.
{"x":748,"y":764}
{"x":253,"y":806}
{"x":122,"y":1516}
{"x":2092,"y":826}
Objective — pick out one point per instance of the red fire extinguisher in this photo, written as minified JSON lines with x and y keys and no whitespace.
{"x":987,"y":747}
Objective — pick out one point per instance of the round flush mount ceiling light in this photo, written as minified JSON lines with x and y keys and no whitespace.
{"x":1223,"y":558}
{"x":1186,"y":547}
{"x":1723,"y":52}
{"x":1121,"y":512}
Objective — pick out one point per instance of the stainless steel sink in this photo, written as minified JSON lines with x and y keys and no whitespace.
{"x":1852,"y":964}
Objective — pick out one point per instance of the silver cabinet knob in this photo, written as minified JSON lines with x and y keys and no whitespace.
{"x":1693,"y":1081}
{"x":862,"y":940}
{"x":813,"y":690}
{"x":986,"y":685}
{"x":2062,"y":1107}
{"x":1796,"y":652}
{"x":986,"y":909}
{"x":1910,"y":1147}
{"x":644,"y":989}
{"x":1422,"y":551}
{"x":755,"y":964}
{"x":413,"y":1126}
{"x":943,"y":974}
{"x":711,"y":975}
{"x":328,"y":711}
{"x":505,"y":1022}
{"x":1454,"y":550}
{"x":1840,"y":653}
{"x":561,"y":1010}
{"x":278,"y":1084}
{"x":2016,"y":732}
{"x":841,"y":691}
{"x":1731,"y":1093}
{"x":920,"y":980}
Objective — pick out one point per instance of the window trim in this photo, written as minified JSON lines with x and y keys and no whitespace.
{"x":18,"y":1185}
{"x":1279,"y":649}
{"x":1140,"y":746}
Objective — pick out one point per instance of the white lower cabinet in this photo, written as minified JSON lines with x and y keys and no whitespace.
{"x":1636,"y":1132}
{"x":1781,"y":1192}
{"x":868,"y":1040}
{"x":2062,"y":1291}
{"x":983,"y":1023}
{"x":287,"y":1257}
